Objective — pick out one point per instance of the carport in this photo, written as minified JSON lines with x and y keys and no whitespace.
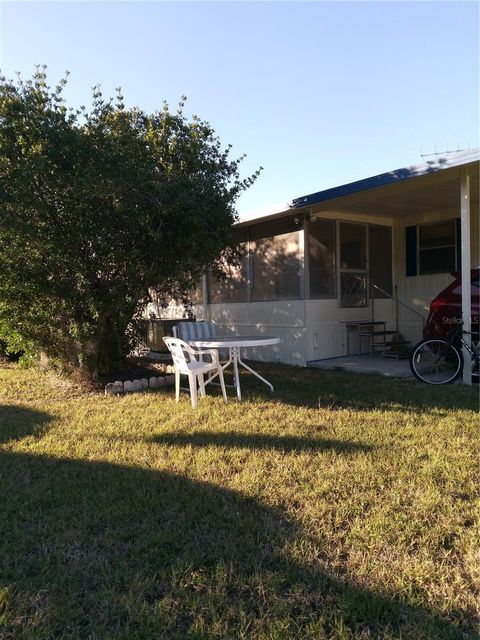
{"x":444,"y":184}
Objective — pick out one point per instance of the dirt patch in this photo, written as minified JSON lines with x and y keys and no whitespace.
{"x":136,"y":367}
{"x":77,"y":384}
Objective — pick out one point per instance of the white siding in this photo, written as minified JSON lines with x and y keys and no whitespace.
{"x":308,"y":329}
{"x":327,"y":337}
{"x":419,"y":291}
{"x":285,"y":319}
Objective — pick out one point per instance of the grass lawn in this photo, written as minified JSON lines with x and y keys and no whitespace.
{"x":340,"y":507}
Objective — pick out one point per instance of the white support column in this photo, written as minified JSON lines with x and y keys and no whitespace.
{"x":304,"y":243}
{"x":206,"y":306}
{"x":466,"y":272}
{"x":303,"y":240}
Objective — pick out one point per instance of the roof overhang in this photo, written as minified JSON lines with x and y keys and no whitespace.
{"x":431,"y":186}
{"x":421,"y":194}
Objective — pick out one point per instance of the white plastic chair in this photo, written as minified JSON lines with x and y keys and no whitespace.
{"x":184,"y":361}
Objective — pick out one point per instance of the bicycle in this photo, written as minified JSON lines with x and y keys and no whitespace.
{"x":440,"y":360}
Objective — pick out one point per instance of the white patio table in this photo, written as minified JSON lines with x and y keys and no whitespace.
{"x":234,"y":344}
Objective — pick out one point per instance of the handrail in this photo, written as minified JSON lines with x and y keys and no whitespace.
{"x":398,"y":301}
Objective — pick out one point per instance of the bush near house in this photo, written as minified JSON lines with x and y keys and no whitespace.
{"x":96,"y":208}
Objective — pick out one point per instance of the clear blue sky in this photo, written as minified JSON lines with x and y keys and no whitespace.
{"x":318,"y":93}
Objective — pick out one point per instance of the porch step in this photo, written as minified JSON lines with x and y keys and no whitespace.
{"x":402,"y":354}
{"x":396,"y":343}
{"x":397,"y":356}
{"x":397,"y":349}
{"x":381,"y":333}
{"x":380,"y":345}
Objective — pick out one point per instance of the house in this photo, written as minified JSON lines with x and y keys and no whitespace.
{"x":377,"y":249}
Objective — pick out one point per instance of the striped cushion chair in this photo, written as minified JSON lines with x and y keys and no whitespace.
{"x":188,"y":331}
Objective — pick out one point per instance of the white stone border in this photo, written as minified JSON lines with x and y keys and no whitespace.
{"x":139,"y":384}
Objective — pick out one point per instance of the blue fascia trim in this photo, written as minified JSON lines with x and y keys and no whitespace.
{"x":383,"y":179}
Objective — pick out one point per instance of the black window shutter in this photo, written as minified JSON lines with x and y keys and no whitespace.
{"x":411,"y":250}
{"x":458,"y":240}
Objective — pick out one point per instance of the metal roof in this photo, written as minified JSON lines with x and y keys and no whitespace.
{"x":440,"y":163}
{"x":391,"y":177}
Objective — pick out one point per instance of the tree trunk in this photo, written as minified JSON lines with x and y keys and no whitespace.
{"x":107,"y":351}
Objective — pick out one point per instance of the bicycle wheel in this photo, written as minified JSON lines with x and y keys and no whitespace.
{"x":436,"y":362}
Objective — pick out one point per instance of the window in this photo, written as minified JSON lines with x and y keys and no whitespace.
{"x":433,"y":248}
{"x":275,"y":260}
{"x":321,"y":260}
{"x":380,"y":259}
{"x":437,"y":247}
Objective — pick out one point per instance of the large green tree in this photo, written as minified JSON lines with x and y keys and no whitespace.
{"x":97,"y":207}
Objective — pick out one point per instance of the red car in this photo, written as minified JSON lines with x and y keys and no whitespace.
{"x":446,"y":309}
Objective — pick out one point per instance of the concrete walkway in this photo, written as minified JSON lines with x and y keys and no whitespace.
{"x":367,"y":364}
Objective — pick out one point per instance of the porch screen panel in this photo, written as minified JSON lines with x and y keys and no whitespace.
{"x":353,"y":246}
{"x":275,"y":261}
{"x":321,"y":263}
{"x":196,"y":294}
{"x":233,"y":287}
{"x":380,"y":259}
{"x":353,"y":265}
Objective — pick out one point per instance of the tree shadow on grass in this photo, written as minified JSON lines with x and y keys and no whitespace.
{"x":96,"y":550}
{"x":287,"y":444}
{"x":341,"y":390}
{"x":17,"y":422}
